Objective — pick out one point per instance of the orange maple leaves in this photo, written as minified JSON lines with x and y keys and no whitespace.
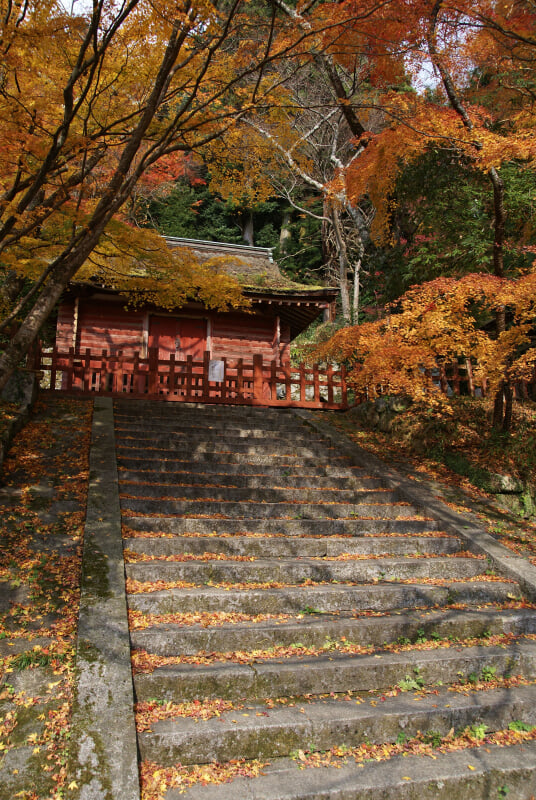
{"x":438,"y":322}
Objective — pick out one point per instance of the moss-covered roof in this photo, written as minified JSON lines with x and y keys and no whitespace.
{"x":253,"y":267}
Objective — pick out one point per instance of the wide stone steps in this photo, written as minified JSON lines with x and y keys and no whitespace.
{"x":259,"y":510}
{"x":211,"y":416}
{"x":292,"y":546}
{"x":221,"y":480}
{"x":259,"y":732}
{"x":220,"y":435}
{"x":333,"y":597}
{"x":253,"y":456}
{"x":481,"y":773}
{"x":303,"y":606}
{"x":437,"y":630}
{"x":274,"y":527}
{"x":150,"y":463}
{"x":304,"y":569}
{"x":262,"y":494}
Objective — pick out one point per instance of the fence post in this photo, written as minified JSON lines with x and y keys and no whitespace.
{"x":316,"y":384}
{"x":223,"y":390}
{"x":171,"y":374}
{"x":189,"y":381}
{"x":86,"y":379}
{"x":206,"y":387}
{"x":153,"y":370}
{"x":257,"y":376}
{"x":288,"y":382}
{"x":302,"y":383}
{"x":240,"y":379}
{"x":273,"y":380}
{"x":70,"y":368}
{"x":344,"y":388}
{"x":329,"y":376}
{"x":53,"y":368}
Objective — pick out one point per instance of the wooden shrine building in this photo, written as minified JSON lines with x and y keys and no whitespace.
{"x":194,"y":353}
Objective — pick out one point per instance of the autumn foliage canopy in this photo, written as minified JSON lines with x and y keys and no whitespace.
{"x":438,"y":323}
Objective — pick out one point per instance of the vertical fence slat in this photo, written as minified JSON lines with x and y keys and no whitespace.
{"x":189,"y":378}
{"x":70,"y":368}
{"x":223,"y":387}
{"x":316,"y":384}
{"x":153,"y":371}
{"x":329,"y":375}
{"x":171,"y":375}
{"x":86,"y":377}
{"x":273,"y":380}
{"x":344,"y":388}
{"x":53,"y":364}
{"x":257,"y":376}
{"x":240,"y":379}
{"x":206,"y":386}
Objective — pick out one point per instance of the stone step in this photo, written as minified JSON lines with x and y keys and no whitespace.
{"x":330,"y":598}
{"x":286,"y":527}
{"x":151,"y":432}
{"x":237,"y":481}
{"x":152,"y":462}
{"x":201,"y":445}
{"x":259,"y":495}
{"x":281,"y":511}
{"x":313,"y":629}
{"x":324,"y":724}
{"x":231,"y":453}
{"x":205,"y":414}
{"x":482,"y":773}
{"x":288,"y":546}
{"x":133,"y":408}
{"x":335,"y":672}
{"x":299,"y":570}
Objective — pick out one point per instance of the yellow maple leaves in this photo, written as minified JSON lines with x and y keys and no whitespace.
{"x":436,"y":323}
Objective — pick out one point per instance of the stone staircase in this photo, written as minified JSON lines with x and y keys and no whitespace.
{"x":289,"y":609}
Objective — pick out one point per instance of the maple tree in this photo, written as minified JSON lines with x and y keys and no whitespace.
{"x":452,"y":38}
{"x":95,"y":104}
{"x":436,"y":323}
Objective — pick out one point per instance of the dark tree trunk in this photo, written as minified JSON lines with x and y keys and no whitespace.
{"x":502,"y":404}
{"x":11,"y":289}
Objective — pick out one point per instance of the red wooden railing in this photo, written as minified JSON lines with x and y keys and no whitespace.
{"x":233,"y":381}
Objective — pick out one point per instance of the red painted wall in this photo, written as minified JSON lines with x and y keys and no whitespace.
{"x":108,"y":326}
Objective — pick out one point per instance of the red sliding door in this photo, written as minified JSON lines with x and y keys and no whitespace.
{"x":180,"y":337}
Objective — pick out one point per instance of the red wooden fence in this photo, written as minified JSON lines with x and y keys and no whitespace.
{"x":208,"y":381}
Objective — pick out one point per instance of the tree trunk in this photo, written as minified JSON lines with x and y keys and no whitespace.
{"x":342,"y":257}
{"x":11,"y":289}
{"x":248,"y":231}
{"x":285,"y":234}
{"x":502,"y":404}
{"x":64,"y":269}
{"x":357,"y":276}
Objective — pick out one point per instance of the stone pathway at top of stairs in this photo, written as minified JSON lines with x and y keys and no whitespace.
{"x":300,"y":604}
